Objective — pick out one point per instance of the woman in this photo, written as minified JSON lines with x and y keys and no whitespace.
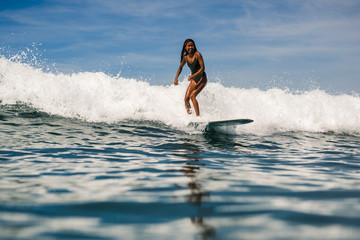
{"x":195,"y":62}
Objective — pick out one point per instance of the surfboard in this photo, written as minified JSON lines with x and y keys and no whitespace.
{"x":214,"y":126}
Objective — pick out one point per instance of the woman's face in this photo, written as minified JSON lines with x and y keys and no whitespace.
{"x":190,"y":47}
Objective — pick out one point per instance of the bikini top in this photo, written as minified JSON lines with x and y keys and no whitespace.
{"x":194,"y":67}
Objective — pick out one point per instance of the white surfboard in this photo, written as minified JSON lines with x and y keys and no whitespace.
{"x":212,"y":126}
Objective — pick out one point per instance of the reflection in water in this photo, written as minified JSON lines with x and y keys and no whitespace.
{"x":229,"y":142}
{"x":197,"y":195}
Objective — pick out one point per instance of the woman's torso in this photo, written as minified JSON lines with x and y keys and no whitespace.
{"x":194,"y":67}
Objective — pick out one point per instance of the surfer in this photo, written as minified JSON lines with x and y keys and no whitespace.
{"x":195,"y":62}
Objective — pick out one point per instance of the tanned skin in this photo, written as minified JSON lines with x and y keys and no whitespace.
{"x":194,"y":88}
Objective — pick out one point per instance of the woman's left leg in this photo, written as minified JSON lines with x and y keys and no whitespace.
{"x":195,"y":92}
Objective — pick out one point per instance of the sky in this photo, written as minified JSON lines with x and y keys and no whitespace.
{"x":294,"y":44}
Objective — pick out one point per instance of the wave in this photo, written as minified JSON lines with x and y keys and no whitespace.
{"x":98,"y":97}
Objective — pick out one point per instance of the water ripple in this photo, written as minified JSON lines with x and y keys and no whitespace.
{"x":64,"y":178}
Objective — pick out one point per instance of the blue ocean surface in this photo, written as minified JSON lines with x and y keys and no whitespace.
{"x":91,"y":156}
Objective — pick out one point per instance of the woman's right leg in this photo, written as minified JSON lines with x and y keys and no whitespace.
{"x":189,"y":90}
{"x":195,"y":92}
{"x":192,"y":91}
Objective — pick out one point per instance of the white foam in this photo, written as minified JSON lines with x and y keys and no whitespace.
{"x":97,"y":97}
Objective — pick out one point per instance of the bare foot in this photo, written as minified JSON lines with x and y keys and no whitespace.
{"x":188,"y":110}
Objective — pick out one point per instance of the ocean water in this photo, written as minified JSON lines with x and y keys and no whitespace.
{"x":93,"y":156}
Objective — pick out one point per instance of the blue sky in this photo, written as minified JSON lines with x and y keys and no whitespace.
{"x":299,"y":44}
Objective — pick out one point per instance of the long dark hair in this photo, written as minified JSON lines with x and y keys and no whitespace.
{"x":183,"y":51}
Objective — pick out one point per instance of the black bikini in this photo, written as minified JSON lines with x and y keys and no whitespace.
{"x":194,"y":67}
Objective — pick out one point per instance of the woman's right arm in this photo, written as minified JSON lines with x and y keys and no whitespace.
{"x":176,"y":82}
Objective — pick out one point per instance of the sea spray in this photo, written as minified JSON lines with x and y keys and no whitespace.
{"x":97,"y":97}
